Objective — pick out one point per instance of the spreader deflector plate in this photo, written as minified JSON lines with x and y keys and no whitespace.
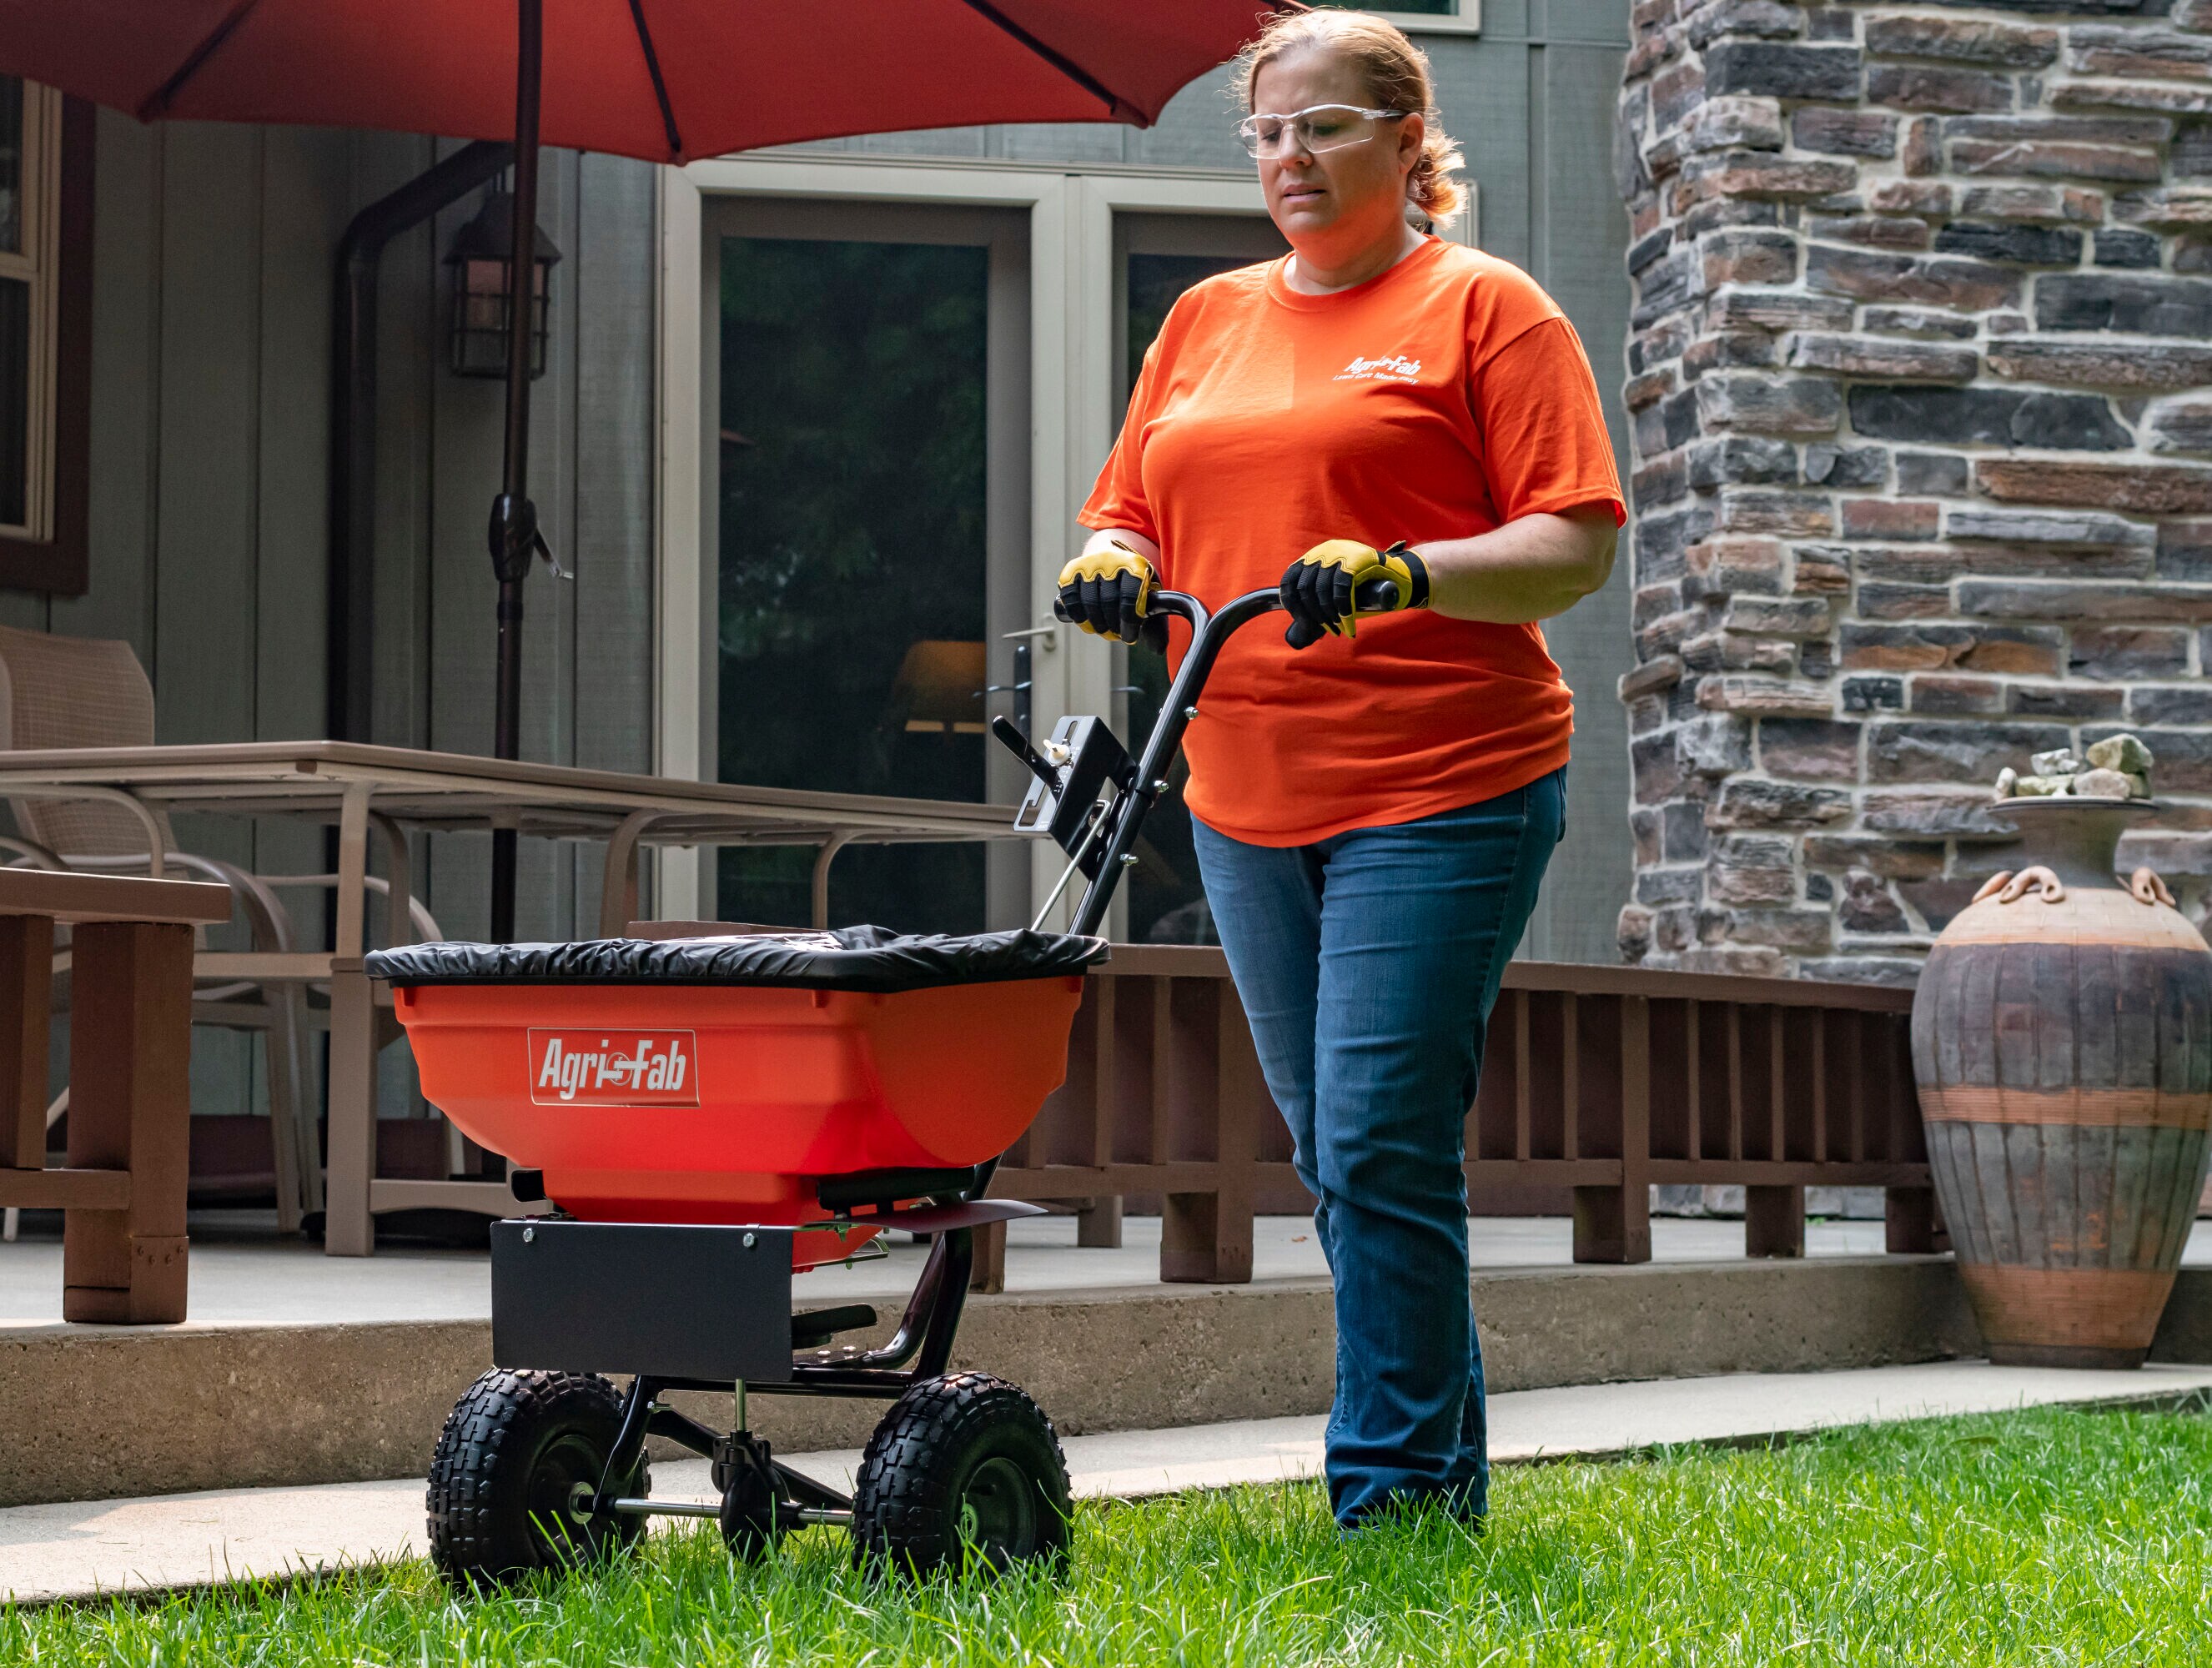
{"x":675,"y":1302}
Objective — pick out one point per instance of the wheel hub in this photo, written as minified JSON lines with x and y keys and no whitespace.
{"x":997,"y":1510}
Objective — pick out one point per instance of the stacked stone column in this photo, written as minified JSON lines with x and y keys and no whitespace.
{"x":1920,"y":360}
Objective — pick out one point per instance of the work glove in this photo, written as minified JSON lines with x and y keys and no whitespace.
{"x":1329,"y":587}
{"x":1109,"y":594}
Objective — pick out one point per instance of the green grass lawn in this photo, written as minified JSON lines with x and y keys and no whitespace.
{"x":2035,"y":1538}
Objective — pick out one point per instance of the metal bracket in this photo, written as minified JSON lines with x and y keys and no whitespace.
{"x":1080,"y":762}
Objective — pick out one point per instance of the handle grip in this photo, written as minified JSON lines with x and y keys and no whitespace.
{"x":1375,"y":596}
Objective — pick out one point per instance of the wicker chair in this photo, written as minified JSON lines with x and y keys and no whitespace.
{"x":70,"y":692}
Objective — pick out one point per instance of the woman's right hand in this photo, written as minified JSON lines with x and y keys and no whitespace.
{"x":1108,"y":592}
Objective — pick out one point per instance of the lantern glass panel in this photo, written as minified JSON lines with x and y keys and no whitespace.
{"x":481,"y":299}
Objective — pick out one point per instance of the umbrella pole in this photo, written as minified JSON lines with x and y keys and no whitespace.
{"x":514,"y":532}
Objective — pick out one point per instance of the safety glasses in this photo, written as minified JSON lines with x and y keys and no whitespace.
{"x":1322,"y":127}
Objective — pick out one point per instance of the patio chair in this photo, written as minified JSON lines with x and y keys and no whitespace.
{"x":68,"y":691}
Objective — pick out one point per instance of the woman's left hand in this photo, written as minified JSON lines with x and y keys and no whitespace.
{"x":1321,"y":590}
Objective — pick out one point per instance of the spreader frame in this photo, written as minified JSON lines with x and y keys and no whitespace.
{"x":708,"y":1308}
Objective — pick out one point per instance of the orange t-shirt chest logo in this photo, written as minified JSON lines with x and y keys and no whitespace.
{"x":1391,"y":367}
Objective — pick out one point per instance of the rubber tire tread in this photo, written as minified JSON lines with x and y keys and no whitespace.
{"x":475,"y":1537}
{"x":901,"y":1516}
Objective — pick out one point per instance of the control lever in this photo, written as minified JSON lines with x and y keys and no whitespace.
{"x":538,"y":544}
{"x":1010,"y":735}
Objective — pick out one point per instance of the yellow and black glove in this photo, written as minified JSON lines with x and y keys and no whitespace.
{"x":1329,"y":587}
{"x":1109,"y":593}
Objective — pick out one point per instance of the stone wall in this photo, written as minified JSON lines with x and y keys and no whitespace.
{"x":1920,"y":354}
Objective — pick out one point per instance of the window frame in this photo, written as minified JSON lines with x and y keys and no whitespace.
{"x":1002,"y":230}
{"x":1465,"y":18}
{"x":49,"y":552}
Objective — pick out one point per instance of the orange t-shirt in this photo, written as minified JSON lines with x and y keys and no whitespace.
{"x":1441,"y":399}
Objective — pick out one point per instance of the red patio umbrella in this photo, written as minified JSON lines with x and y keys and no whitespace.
{"x":667,"y":81}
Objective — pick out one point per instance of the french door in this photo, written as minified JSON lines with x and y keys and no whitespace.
{"x":871,"y":536}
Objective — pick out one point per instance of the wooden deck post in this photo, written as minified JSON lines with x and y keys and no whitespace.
{"x":1774,"y":1222}
{"x":1098,"y":1219}
{"x":130,"y":1109}
{"x":1098,"y":1224}
{"x":349,"y":1229}
{"x":1908,"y":1220}
{"x":27,"y":988}
{"x":987,"y":1273}
{"x":1614,"y":1224}
{"x":1206,"y":1238}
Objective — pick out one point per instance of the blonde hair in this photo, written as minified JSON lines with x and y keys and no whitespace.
{"x":1397,"y":72}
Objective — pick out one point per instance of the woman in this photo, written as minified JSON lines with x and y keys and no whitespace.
{"x":1373,"y":814}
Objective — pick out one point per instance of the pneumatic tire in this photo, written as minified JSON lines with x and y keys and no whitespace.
{"x":964,"y":1471}
{"x":520,"y":1451}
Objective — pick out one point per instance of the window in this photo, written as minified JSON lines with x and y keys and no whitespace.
{"x":45,"y":155}
{"x":1457,"y":16}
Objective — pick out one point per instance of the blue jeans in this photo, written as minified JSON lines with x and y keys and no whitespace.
{"x":1367,"y":964}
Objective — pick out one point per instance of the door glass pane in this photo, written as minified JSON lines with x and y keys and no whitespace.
{"x":851,"y":611}
{"x":11,"y":164}
{"x":15,"y":402}
{"x":1167,"y":904}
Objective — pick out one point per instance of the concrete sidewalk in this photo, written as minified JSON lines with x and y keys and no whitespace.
{"x":183,"y":1540}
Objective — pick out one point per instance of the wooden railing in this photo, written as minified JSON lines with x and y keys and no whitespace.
{"x":1597,"y":1082}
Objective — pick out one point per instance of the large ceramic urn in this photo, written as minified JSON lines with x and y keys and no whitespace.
{"x":2062,"y":1036}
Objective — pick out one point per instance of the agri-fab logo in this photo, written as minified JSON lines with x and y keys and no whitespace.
{"x":614,"y":1069}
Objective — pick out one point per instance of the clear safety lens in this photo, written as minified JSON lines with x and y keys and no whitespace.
{"x":1319,"y":128}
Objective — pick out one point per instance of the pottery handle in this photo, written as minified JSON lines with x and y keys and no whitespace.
{"x":2046,"y":885}
{"x":2149,"y":888}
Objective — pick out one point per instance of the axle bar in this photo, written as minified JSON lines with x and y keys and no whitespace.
{"x":697,"y":1508}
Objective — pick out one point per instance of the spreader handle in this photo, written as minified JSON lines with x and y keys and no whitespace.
{"x":1208,"y":632}
{"x":1376,"y":596}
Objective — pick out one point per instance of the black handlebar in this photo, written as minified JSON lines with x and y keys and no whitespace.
{"x":1376,"y":596}
{"x":1143,"y":786}
{"x":1379,"y":595}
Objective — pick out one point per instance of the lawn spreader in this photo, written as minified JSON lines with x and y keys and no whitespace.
{"x":707,"y":1118}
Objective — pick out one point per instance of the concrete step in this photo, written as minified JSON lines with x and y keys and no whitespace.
{"x":53,"y":1552}
{"x":247,"y":1405}
{"x":261,"y":1390}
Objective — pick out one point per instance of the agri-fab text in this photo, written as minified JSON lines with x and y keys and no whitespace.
{"x":613,"y":1067}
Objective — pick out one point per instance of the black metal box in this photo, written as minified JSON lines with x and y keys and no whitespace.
{"x":675,"y":1303}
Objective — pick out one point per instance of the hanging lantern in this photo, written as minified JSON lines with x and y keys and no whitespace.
{"x":483,"y":293}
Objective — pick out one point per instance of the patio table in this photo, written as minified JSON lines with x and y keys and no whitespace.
{"x":396,"y":790}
